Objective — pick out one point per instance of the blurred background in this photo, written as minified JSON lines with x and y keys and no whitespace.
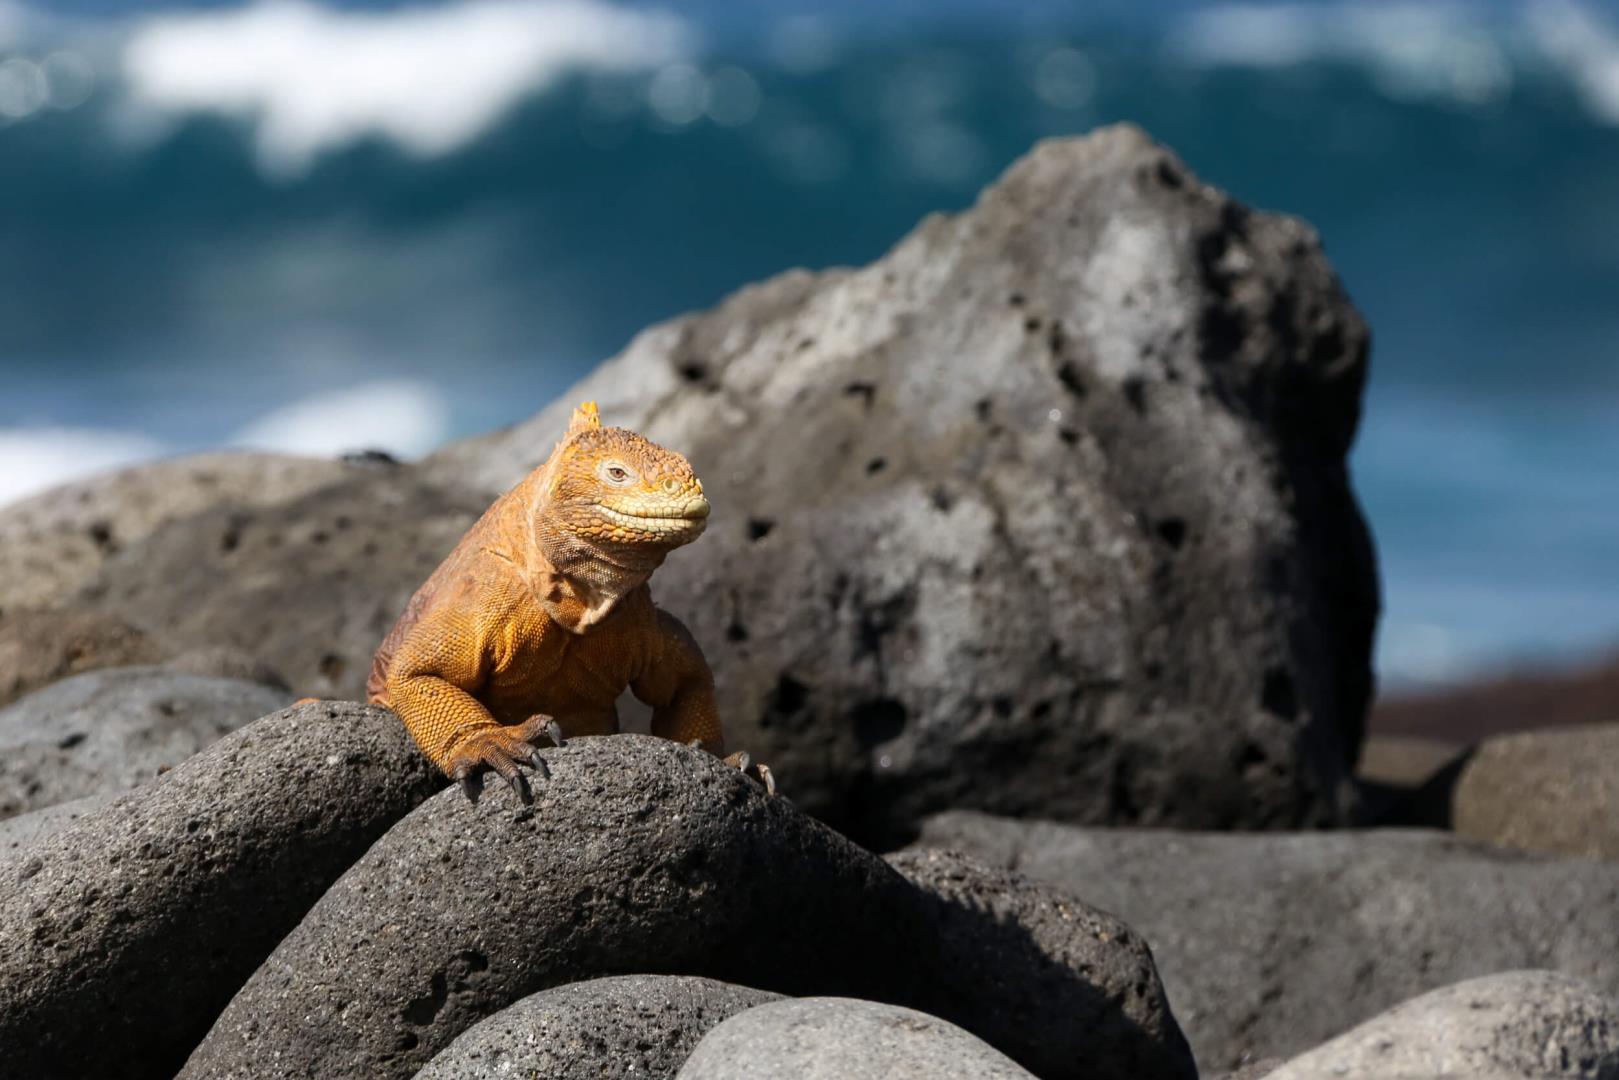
{"x":318,"y":226}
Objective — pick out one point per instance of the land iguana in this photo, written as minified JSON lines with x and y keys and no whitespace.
{"x":541,"y":616}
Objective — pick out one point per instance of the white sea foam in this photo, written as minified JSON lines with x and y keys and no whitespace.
{"x":35,"y":458}
{"x":429,"y":78}
{"x":1586,"y":47}
{"x":1455,"y":51}
{"x":402,"y":416}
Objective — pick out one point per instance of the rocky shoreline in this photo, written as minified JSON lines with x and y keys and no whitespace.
{"x":1036,"y":575}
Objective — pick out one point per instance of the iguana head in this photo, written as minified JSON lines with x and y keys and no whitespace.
{"x":614,"y":491}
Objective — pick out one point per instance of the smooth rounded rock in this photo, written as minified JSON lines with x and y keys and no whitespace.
{"x":641,"y":854}
{"x":628,"y":1027}
{"x":1552,"y":791}
{"x":1526,"y":1025}
{"x":124,"y":932}
{"x":39,"y":647}
{"x":1054,"y":492}
{"x":826,"y":1038}
{"x":1012,"y":951}
{"x":53,"y":542}
{"x":106,"y":732}
{"x":1271,"y":944}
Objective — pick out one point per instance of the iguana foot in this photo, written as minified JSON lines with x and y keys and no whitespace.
{"x":501,"y":749}
{"x":744,"y":761}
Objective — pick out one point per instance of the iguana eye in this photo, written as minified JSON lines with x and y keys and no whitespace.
{"x":618,"y":474}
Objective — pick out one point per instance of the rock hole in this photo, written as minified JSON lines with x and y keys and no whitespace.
{"x":1001,"y":705}
{"x":1172,"y":531}
{"x":736,"y":632}
{"x":1280,"y":697}
{"x":692,"y":371}
{"x":1068,"y":435}
{"x":865,"y":391}
{"x":69,"y":741}
{"x":879,"y":720}
{"x":1135,"y":392}
{"x":230,"y":540}
{"x":981,"y":409}
{"x":422,"y":1010}
{"x":875,"y":466}
{"x":806,"y":343}
{"x":789,"y":696}
{"x":1032,"y":324}
{"x":942,"y":499}
{"x":332,"y":666}
{"x":1016,"y":299}
{"x":1168,"y":175}
{"x":1069,"y":376}
{"x":101,"y":535}
{"x":759,"y":528}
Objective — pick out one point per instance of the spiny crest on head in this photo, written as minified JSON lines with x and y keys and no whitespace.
{"x":585,"y":418}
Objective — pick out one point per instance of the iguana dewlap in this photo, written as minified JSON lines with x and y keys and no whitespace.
{"x":541,"y":616}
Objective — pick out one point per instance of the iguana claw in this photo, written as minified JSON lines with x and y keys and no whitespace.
{"x":743,"y":761}
{"x":554,"y":730}
{"x":501,"y":749}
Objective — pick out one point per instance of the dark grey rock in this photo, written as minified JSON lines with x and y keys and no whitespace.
{"x":108,"y":731}
{"x":1552,"y":791}
{"x":1271,"y":944}
{"x":38,"y":647}
{"x":642,"y":854}
{"x":1013,"y":950}
{"x":828,"y":1038}
{"x":53,"y":542}
{"x":1527,"y":1025}
{"x":1054,"y":492}
{"x":124,"y":933}
{"x":630,"y":1027}
{"x":22,"y":831}
{"x":309,"y":587}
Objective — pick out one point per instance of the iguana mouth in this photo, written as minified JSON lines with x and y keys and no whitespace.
{"x":695,"y":515}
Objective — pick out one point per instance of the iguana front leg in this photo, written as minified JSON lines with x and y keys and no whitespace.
{"x":429,"y":687}
{"x":680,"y":688}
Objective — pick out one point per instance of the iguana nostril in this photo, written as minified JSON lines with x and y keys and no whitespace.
{"x":672,"y":485}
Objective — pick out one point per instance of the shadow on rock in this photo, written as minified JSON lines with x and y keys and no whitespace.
{"x":641,"y":855}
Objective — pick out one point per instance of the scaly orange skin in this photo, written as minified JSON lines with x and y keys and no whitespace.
{"x":542,"y":611}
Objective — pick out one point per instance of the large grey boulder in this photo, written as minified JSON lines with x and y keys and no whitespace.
{"x":123,"y":933}
{"x":1271,"y":944}
{"x":1523,"y":1025}
{"x":106,"y":732}
{"x":1554,"y":791}
{"x":53,"y":542}
{"x":829,"y":1038}
{"x":641,"y":854}
{"x":309,"y":586}
{"x":629,"y":1027}
{"x":1044,"y":512}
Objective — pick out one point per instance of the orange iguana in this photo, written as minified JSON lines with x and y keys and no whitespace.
{"x":541,"y":616}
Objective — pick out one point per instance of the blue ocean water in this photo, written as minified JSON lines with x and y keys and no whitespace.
{"x":313,"y":226}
